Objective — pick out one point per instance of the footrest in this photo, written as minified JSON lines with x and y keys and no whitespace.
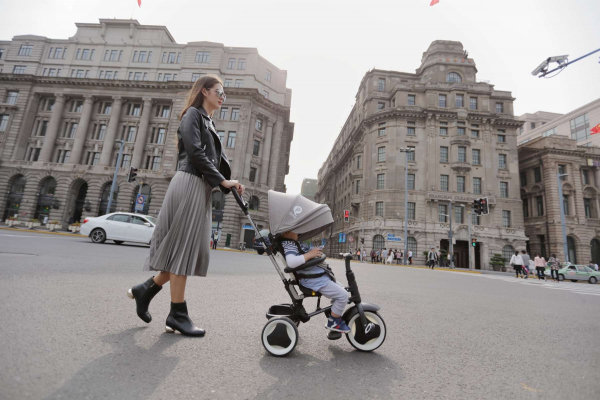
{"x":333,"y":335}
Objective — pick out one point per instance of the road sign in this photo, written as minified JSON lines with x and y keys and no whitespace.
{"x":342,"y":238}
{"x":139,"y":202}
{"x":392,"y":238}
{"x":351,"y":239}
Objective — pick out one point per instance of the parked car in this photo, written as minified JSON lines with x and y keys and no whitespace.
{"x":257,"y":243}
{"x":119,"y":227}
{"x":576,"y":273}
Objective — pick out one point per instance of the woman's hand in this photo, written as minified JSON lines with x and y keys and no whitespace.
{"x":234,"y":184}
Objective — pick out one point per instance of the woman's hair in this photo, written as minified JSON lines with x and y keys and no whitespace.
{"x":517,"y":253}
{"x":537,"y":254}
{"x":194,"y":97}
{"x":553,"y":255}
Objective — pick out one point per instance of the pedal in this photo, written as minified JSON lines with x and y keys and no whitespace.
{"x":333,"y":335}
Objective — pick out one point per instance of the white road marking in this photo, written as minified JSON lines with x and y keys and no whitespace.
{"x":36,"y":236}
{"x":573,"y":287}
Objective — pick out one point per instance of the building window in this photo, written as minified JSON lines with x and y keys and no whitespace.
{"x":532,"y":125}
{"x":442,"y":100}
{"x":106,"y":108}
{"x":460,"y":100}
{"x":242,"y":63}
{"x":3,"y":122}
{"x":411,"y":99}
{"x":268,"y":75}
{"x":156,"y":163}
{"x":160,"y":137}
{"x":585,"y":176}
{"x":474,"y":134}
{"x":258,"y":124}
{"x":380,"y":181}
{"x":256,"y":148}
{"x":507,"y":253}
{"x":25,"y":50}
{"x":134,"y":109}
{"x":1,"y":53}
{"x":11,"y":97}
{"x":462,"y":154}
{"x":19,"y":69}
{"x":539,"y":200}
{"x":381,"y":154}
{"x":239,"y":83}
{"x":473,"y":103}
{"x":411,"y":181}
{"x":195,"y":77}
{"x":587,"y":205}
{"x":525,"y":209}
{"x":476,"y":159}
{"x":460,"y":184}
{"x":475,"y":220}
{"x":505,"y":219}
{"x":101,"y":132}
{"x":72,"y":131}
{"x":504,"y":189}
{"x":125,"y":160}
{"x":502,"y":161}
{"x":379,"y":208}
{"x":562,"y":169}
{"x":235,"y":114}
{"x":130,"y":134}
{"x":223,"y":113}
{"x":381,"y":85}
{"x":499,"y":108}
{"x":444,"y":183}
{"x":444,"y":154}
{"x":231,"y":140}
{"x":221,"y":136}
{"x":443,"y":131}
{"x":358,"y":162}
{"x":411,"y":211}
{"x":380,"y":106}
{"x":460,"y":131}
{"x":442,"y":213}
{"x":566,"y":204}
{"x":55,"y":52}
{"x":410,"y":128}
{"x":501,"y":138}
{"x":63,"y":156}
{"x":410,"y":155}
{"x":580,"y":128}
{"x":477,"y":185}
{"x":453,"y":77}
{"x":202,"y":57}
{"x":252,"y":174}
{"x":459,"y":215}
{"x":381,"y":130}
{"x":550,"y":132}
{"x":523,"y":178}
{"x":538,"y":174}
{"x":358,"y":187}
{"x":266,"y":94}
{"x":228,"y":83}
{"x":44,"y":128}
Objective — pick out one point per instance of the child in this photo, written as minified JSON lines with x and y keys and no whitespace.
{"x":297,"y":254}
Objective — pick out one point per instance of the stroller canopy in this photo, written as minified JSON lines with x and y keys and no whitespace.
{"x":293,"y":212}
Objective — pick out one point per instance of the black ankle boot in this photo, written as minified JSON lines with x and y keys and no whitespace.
{"x":179,"y":320}
{"x":143,"y":294}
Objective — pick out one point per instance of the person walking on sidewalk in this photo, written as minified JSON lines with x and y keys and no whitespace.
{"x":410,"y":257}
{"x":384,"y":254}
{"x":215,"y":240}
{"x":431,"y":258}
{"x":178,"y":246}
{"x":373,"y":255}
{"x":517,"y":263}
{"x":526,"y":261}
{"x":554,"y":267}
{"x":390,"y":258}
{"x":540,"y":266}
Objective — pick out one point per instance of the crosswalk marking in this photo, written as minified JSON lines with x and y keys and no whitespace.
{"x":593,"y":290}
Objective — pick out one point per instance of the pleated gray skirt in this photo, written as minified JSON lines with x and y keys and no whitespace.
{"x":181,"y":239}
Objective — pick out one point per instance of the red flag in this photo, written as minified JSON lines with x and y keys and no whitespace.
{"x":596,"y":129}
{"x":433,"y":2}
{"x":140,"y":3}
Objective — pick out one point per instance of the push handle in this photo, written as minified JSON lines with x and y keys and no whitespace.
{"x":240,"y":201}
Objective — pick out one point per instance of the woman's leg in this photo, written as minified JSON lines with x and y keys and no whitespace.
{"x":177,"y":288}
{"x":162,"y":277}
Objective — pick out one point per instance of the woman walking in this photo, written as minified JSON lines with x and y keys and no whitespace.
{"x":517,"y":262}
{"x":540,"y":266}
{"x":554,"y":267}
{"x":179,"y":243}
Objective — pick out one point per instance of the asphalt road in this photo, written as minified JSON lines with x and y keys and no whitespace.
{"x":70,"y":332}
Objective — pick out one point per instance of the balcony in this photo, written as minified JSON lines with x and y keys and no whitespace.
{"x":461,"y":166}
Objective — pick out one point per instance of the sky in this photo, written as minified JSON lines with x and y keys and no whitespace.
{"x":327,"y":46}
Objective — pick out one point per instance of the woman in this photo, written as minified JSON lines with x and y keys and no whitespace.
{"x":554,"y":267}
{"x":390,"y":257}
{"x":179,"y":243}
{"x":540,"y":266}
{"x":517,"y":263}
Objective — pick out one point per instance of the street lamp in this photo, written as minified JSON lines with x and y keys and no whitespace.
{"x":406,"y":150}
{"x":562,"y":215}
{"x":114,"y":182}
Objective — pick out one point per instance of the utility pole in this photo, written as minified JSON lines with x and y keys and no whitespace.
{"x":406,"y":150}
{"x":114,"y":181}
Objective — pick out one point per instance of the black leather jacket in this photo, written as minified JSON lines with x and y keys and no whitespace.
{"x":199,"y":149}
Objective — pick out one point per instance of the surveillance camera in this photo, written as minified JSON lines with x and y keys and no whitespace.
{"x":558,"y":59}
{"x":541,"y":68}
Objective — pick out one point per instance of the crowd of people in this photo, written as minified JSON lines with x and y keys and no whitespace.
{"x":390,"y":256}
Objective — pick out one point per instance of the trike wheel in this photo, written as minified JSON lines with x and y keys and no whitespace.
{"x":357,"y":338}
{"x":279,"y":336}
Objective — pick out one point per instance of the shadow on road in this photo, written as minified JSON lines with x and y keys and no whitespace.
{"x":347,"y":374}
{"x":128,"y":372}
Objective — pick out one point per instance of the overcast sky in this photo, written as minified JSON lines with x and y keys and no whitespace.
{"x":328,"y":45}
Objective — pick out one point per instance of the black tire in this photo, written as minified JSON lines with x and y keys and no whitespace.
{"x":284,"y":341}
{"x":574,"y":280}
{"x":98,"y":235}
{"x":593,"y":280}
{"x":373,"y":344}
{"x":118,"y":241}
{"x":561,"y":277}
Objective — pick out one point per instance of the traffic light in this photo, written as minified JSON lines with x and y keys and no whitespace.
{"x":346,"y":215}
{"x":362,"y":240}
{"x":473,"y":242}
{"x":132,"y":174}
{"x":484,"y":206}
{"x":477,"y":206}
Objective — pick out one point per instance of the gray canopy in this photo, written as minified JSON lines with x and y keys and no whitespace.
{"x":293,"y":212}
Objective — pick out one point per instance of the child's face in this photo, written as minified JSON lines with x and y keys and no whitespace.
{"x":290,"y":235}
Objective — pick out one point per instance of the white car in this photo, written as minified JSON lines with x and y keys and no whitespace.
{"x":119,"y":227}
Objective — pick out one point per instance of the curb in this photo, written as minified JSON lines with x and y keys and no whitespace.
{"x":42,"y":232}
{"x":439,"y":269}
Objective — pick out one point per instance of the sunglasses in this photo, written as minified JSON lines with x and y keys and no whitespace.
{"x":221,"y":94}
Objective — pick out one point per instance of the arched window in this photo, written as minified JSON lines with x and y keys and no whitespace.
{"x":254,"y":203}
{"x":595,"y":248}
{"x":104,"y":199}
{"x":507,"y":253}
{"x":48,"y":187}
{"x":572,"y":250}
{"x":15,"y":196}
{"x":453,"y":77}
{"x":411,"y":242}
{"x":378,"y":242}
{"x":45,"y":199}
{"x":218,"y":200}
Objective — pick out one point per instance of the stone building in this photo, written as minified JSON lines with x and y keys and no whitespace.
{"x":309,"y":188}
{"x":540,"y":160}
{"x":464,"y":136}
{"x":535,"y":120}
{"x":64,"y":102}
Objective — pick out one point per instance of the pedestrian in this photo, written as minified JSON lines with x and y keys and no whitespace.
{"x":398,"y":257}
{"x":516,"y":261}
{"x":373,"y":255}
{"x":384,"y":254}
{"x":358,"y":255}
{"x":540,"y":266}
{"x":390,"y":258}
{"x":178,"y":245}
{"x":592,"y":266}
{"x":554,"y":267}
{"x":216,"y":239}
{"x":377,"y":253}
{"x":596,"y":267}
{"x":449,"y":260}
{"x":410,"y":257}
{"x":526,"y":260}
{"x":431,"y":258}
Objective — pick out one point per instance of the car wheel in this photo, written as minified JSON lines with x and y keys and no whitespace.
{"x":574,"y":280}
{"x":98,"y":235}
{"x":561,"y":277}
{"x":118,"y":241}
{"x":593,"y":280}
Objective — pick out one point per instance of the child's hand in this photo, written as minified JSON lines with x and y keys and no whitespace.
{"x":316,"y":252}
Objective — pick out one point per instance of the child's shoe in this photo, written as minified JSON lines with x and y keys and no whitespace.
{"x":337,"y":325}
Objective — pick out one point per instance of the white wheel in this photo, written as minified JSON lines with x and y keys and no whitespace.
{"x":357,"y":338}
{"x":279,"y":336}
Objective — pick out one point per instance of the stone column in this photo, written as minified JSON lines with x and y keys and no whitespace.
{"x":52,"y":133}
{"x":82,"y":128}
{"x":142,"y":133}
{"x":25,"y":130}
{"x":274,"y":158}
{"x":111,"y":131}
{"x":249,"y":146}
{"x":264,"y":168}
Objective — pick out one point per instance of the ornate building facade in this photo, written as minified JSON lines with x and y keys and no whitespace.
{"x":65,"y":102}
{"x":464,"y":137}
